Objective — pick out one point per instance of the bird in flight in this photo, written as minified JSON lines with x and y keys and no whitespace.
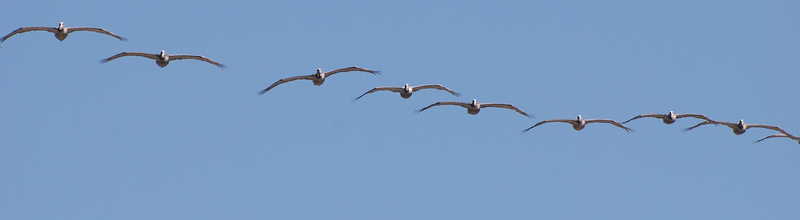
{"x":579,"y":123}
{"x":740,"y":127}
{"x":474,"y":107}
{"x":406,"y":91}
{"x":61,"y":32}
{"x":319,"y":77}
{"x":162,"y":59}
{"x":669,"y":118}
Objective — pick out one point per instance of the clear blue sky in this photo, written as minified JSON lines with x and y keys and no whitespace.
{"x":130,"y":140}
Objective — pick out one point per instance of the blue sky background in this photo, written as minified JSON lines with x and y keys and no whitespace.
{"x":130,"y":140}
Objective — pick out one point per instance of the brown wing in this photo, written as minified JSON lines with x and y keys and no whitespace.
{"x":124,"y":54}
{"x":646,"y":115}
{"x":282,"y":81}
{"x":98,"y":30}
{"x":548,"y":121}
{"x":349,"y":69}
{"x":387,"y":88}
{"x":439,"y":87}
{"x":615,"y":123}
{"x":730,"y":125}
{"x":693,"y":116}
{"x":773,"y":136}
{"x":462,"y":104}
{"x":775,"y":128}
{"x":26,"y":29}
{"x":195,"y":57}
{"x":505,"y":106}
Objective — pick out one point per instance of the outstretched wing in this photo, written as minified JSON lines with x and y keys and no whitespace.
{"x":282,"y":81}
{"x":730,"y":125}
{"x":439,"y":87}
{"x":465,"y":105}
{"x":98,"y":30}
{"x":195,"y":57}
{"x":387,"y":88}
{"x":692,"y":116}
{"x":124,"y":54}
{"x":484,"y":105}
{"x":26,"y":29}
{"x":775,"y":128}
{"x":548,"y":121}
{"x":646,"y":115}
{"x":772,"y":136}
{"x":349,"y":69}
{"x":615,"y":123}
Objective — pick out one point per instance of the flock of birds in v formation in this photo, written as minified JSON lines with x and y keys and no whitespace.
{"x":162,"y":59}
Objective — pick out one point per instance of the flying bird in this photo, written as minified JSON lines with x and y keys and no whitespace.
{"x":319,"y":77}
{"x":579,"y":123}
{"x":406,"y":91}
{"x":669,"y":118}
{"x":162,"y":59}
{"x":474,"y":107}
{"x":739,"y":128}
{"x":61,"y":31}
{"x":780,"y":135}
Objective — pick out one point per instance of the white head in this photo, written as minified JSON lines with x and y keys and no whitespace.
{"x":579,"y":118}
{"x":162,"y":54}
{"x":741,"y":123}
{"x":474,"y":102}
{"x":60,"y":25}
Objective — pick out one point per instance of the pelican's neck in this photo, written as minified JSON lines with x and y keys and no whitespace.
{"x":407,"y":88}
{"x":474,"y":102}
{"x":319,"y":72}
{"x":162,"y":54}
{"x":60,"y":25}
{"x":579,"y":118}
{"x":671,"y":115}
{"x":740,"y":124}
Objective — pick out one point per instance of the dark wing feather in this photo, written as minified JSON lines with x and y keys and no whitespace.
{"x":693,"y":116}
{"x":98,"y":30}
{"x":282,"y":81}
{"x":646,"y":115}
{"x":505,"y":106}
{"x":124,"y":54}
{"x":195,"y":57}
{"x":387,"y":88}
{"x":465,"y":105}
{"x":615,"y":123}
{"x":349,"y":69}
{"x":775,"y":128}
{"x":548,"y":121}
{"x":439,"y":87}
{"x":26,"y":29}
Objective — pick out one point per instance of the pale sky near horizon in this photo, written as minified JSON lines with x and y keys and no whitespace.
{"x":130,"y":140}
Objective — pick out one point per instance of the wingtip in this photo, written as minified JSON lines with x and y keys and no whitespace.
{"x":376,"y":72}
{"x":123,"y":39}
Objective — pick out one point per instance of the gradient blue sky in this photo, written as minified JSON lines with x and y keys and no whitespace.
{"x":130,"y":140}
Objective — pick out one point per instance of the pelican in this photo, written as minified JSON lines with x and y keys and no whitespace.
{"x":319,"y":77}
{"x":579,"y":123}
{"x":739,"y":128}
{"x":406,"y":90}
{"x":474,"y":107}
{"x":61,"y":31}
{"x":780,"y":135}
{"x":162,"y":59}
{"x":669,"y":118}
